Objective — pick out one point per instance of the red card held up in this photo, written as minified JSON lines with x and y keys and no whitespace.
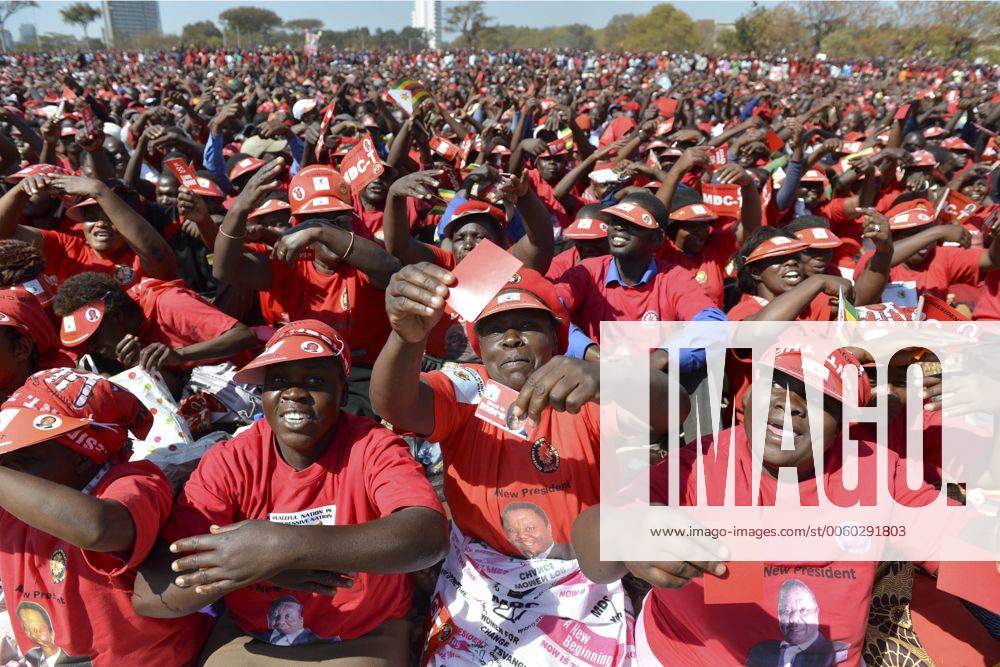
{"x":975,"y":581}
{"x":902,"y":112}
{"x":743,"y":583}
{"x":774,"y":142}
{"x":185,"y":175}
{"x":481,"y":275}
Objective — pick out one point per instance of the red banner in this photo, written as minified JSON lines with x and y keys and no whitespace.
{"x":361,"y":165}
{"x":955,"y":207}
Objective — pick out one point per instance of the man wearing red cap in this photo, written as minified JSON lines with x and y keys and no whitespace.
{"x":28,"y":342}
{"x":116,"y":240}
{"x":588,"y":237}
{"x":340,"y":284}
{"x":919,"y":265}
{"x":676,"y":626}
{"x":551,"y":462}
{"x":311,"y":506}
{"x":76,"y":520}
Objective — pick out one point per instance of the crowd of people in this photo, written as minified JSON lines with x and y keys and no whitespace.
{"x":199,"y":222}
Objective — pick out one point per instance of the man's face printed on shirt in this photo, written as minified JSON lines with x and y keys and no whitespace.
{"x":528,"y":531}
{"x":514,"y":343}
{"x":798,"y":614}
{"x":37,"y":626}
{"x":288,"y":618}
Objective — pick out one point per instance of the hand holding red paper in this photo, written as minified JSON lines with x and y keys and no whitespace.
{"x":480,"y":276}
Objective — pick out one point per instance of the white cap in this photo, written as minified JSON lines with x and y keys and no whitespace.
{"x":302,"y":107}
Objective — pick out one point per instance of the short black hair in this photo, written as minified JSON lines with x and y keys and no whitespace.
{"x":744,"y":280}
{"x":84,"y":288}
{"x":685,"y":197}
{"x":531,"y":507}
{"x":807,"y":222}
{"x":648,"y":201}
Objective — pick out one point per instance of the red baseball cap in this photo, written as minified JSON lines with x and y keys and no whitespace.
{"x":270,"y":206}
{"x":921,"y":158}
{"x":81,"y":324}
{"x":245,"y":166}
{"x":35,"y":170}
{"x":819,"y":238}
{"x":585,"y":229}
{"x":912,"y":213}
{"x":814,"y":176}
{"x":694,"y":213}
{"x":791,"y":361}
{"x":75,"y":212}
{"x":21,"y":310}
{"x":956,"y":144}
{"x":85,"y":412}
{"x":633,"y":213}
{"x":776,"y":246}
{"x":318,"y":189}
{"x":475,"y":207}
{"x":526,"y":289}
{"x":213,"y":190}
{"x":303,"y":339}
{"x":933,"y":131}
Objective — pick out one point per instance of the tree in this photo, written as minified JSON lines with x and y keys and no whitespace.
{"x":202,"y":33}
{"x":664,"y":27}
{"x":613,"y":34}
{"x":312,"y":25}
{"x":81,"y":14}
{"x":469,"y":20}
{"x":821,"y":17}
{"x":250,"y":20}
{"x":8,"y":9}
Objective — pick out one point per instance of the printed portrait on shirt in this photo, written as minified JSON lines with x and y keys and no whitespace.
{"x":287,"y":626}
{"x":37,"y":625}
{"x":529,"y":531}
{"x":802,"y":642}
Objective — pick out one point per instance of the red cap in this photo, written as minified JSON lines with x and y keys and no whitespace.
{"x":526,"y":289}
{"x":585,"y":229}
{"x":555,"y":149}
{"x":500,"y":150}
{"x":776,"y":246}
{"x":814,"y":176}
{"x":81,"y":324}
{"x":633,"y":213}
{"x":910,"y":217}
{"x":444,"y":148}
{"x":208,"y":184}
{"x":819,"y":238}
{"x":270,"y":206}
{"x":694,"y":213}
{"x":85,"y":412}
{"x":956,"y":144}
{"x":303,"y":339}
{"x":921,"y":158}
{"x":475,"y":207}
{"x":791,"y":362}
{"x":21,"y":310}
{"x":933,"y":131}
{"x":35,"y":170}
{"x":75,"y":212}
{"x":318,"y":189}
{"x":245,"y":166}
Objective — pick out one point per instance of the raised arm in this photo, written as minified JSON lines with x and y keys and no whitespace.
{"x":537,"y":245}
{"x":336,"y":242}
{"x":398,"y":241}
{"x":869,"y":285}
{"x":788,"y":306}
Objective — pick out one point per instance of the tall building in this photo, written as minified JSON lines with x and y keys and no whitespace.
{"x":427,"y":17}
{"x":124,"y":19}
{"x":6,"y":39}
{"x":28,"y":34}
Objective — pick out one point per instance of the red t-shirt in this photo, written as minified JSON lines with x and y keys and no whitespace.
{"x":708,"y":268}
{"x":68,"y":254}
{"x":682,"y":630}
{"x":670,"y":295}
{"x":365,"y":474}
{"x":818,"y":311}
{"x":346,"y":300}
{"x":177,"y":317}
{"x":988,"y":306}
{"x":562,"y":263}
{"x":371,"y":221}
{"x":945,"y":266}
{"x":85,"y":597}
{"x":616,"y":129}
{"x":486,"y":468}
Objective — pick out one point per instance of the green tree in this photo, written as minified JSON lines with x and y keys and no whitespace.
{"x":664,"y":27}
{"x":613,"y":34}
{"x":822,"y":17}
{"x":81,"y":14}
{"x":312,"y":25}
{"x":8,"y":9}
{"x":250,"y":20}
{"x":202,"y":33}
{"x":469,"y":20}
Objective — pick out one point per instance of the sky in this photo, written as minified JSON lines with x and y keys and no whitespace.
{"x":385,"y":14}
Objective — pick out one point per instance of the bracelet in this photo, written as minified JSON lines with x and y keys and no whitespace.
{"x":349,"y":246}
{"x":235,"y":238}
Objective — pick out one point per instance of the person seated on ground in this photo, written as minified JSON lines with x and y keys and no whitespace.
{"x":116,"y":240}
{"x":76,"y":520}
{"x":156,"y":325}
{"x":341,"y":284}
{"x":306,"y":523}
{"x":512,"y":497}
